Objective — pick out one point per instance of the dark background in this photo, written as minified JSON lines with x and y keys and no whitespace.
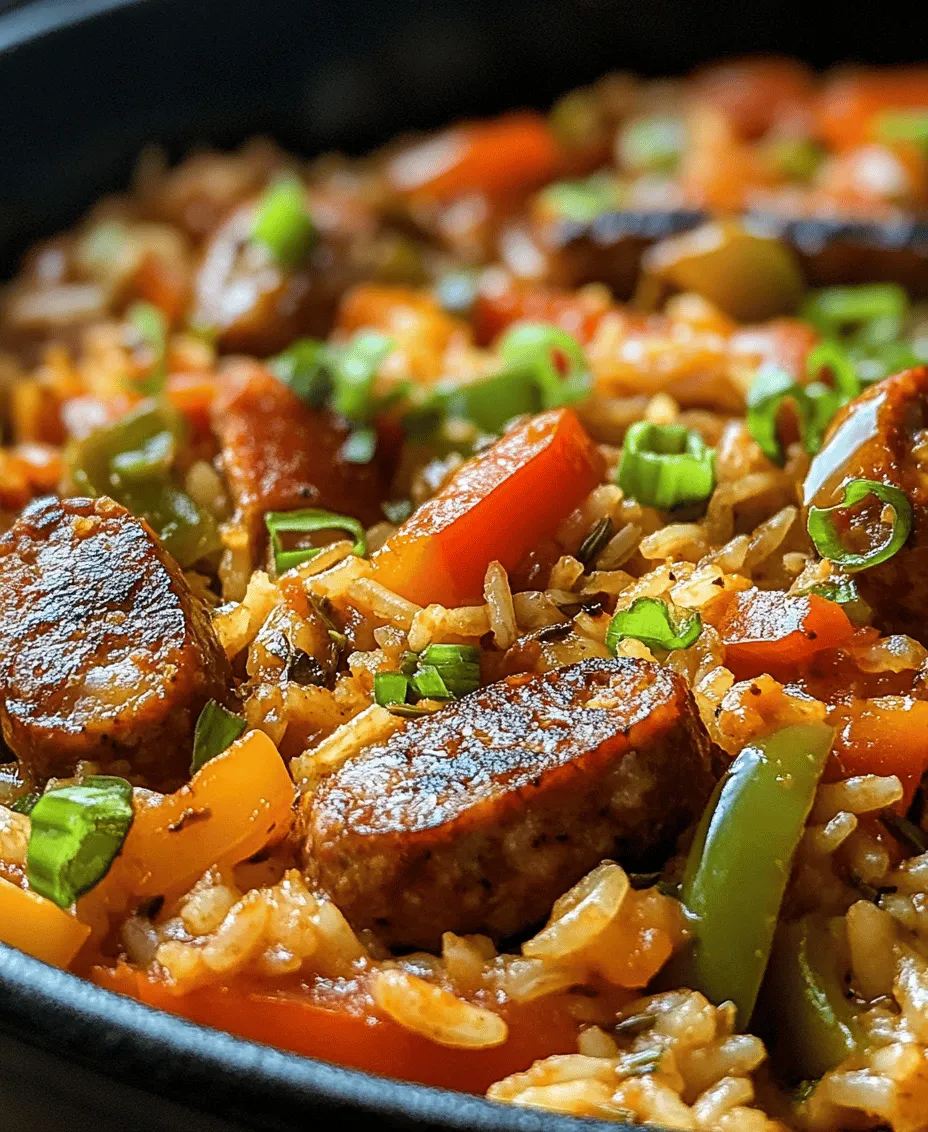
{"x":77,"y":107}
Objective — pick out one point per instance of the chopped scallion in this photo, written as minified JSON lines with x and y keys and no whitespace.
{"x":354,"y":369}
{"x":666,"y":466}
{"x":653,"y":144}
{"x":76,"y":833}
{"x":151,"y":326}
{"x":390,"y":688}
{"x":216,"y":729}
{"x":429,"y":685}
{"x":832,"y":358}
{"x":836,"y":309}
{"x":282,"y":222}
{"x":307,"y":522}
{"x":581,"y":201}
{"x":553,"y":357}
{"x":827,"y":540}
{"x":303,"y":366}
{"x":648,"y":620}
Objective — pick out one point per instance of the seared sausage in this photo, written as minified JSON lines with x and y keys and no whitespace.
{"x":881,"y":435}
{"x":280,"y":455}
{"x":478,"y":818}
{"x":105,"y":654}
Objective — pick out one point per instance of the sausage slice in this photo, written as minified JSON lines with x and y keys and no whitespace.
{"x":105,"y":653}
{"x":881,"y":436}
{"x":478,"y":818}
{"x":280,"y":455}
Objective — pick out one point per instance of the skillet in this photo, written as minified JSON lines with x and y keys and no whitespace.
{"x":84,"y":84}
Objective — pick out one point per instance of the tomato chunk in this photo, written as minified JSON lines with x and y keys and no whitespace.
{"x":887,"y":735}
{"x":766,"y":631}
{"x":508,"y":155}
{"x":498,"y":506}
{"x":342,"y":1027}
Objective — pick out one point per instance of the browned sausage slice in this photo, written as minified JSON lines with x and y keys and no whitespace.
{"x":280,"y":455}
{"x":479,"y":817}
{"x":105,"y":653}
{"x":881,"y":435}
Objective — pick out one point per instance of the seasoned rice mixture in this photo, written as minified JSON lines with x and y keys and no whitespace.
{"x":414,"y":656}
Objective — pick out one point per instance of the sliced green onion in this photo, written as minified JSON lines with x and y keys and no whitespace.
{"x":25,"y":803}
{"x":769,"y":392}
{"x":428,"y":684}
{"x":397,"y":510}
{"x":648,"y":620}
{"x":581,"y":201}
{"x":814,"y":404}
{"x":666,"y":466}
{"x":652,"y":145}
{"x":306,"y":522}
{"x":830,"y":356}
{"x":904,"y":125}
{"x":282,"y":222}
{"x":359,"y":446}
{"x":492,"y":402}
{"x":836,"y":309}
{"x":450,"y":654}
{"x":303,"y":366}
{"x":390,"y":688}
{"x":458,"y":666}
{"x":151,"y":326}
{"x":840,"y":590}
{"x":76,"y":833}
{"x":536,"y":348}
{"x":354,"y":370}
{"x":827,"y":541}
{"x":595,"y":541}
{"x":216,"y":729}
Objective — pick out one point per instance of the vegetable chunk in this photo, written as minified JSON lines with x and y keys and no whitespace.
{"x":497,"y":507}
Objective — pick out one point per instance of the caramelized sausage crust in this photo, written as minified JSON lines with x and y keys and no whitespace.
{"x":105,"y":654}
{"x":883,"y":435}
{"x":478,"y":818}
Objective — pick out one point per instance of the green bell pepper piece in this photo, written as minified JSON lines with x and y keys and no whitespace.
{"x":740,"y":860}
{"x":131,"y":460}
{"x":805,"y":1003}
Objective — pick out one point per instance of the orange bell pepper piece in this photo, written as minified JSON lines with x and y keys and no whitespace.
{"x":39,"y":927}
{"x":498,"y":506}
{"x":766,"y":631}
{"x":507,"y":155}
{"x":232,"y":807}
{"x":342,"y":1028}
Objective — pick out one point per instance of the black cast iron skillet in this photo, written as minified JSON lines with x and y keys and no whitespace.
{"x":84,"y":84}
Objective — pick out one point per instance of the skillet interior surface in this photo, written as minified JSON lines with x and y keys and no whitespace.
{"x":84,"y":84}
